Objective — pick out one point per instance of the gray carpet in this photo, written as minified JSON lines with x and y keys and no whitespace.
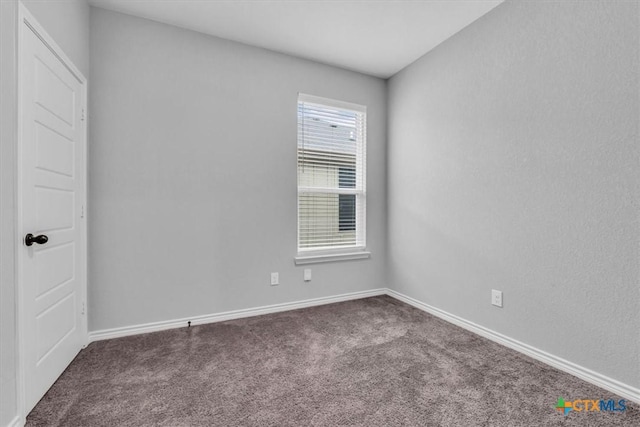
{"x":371,"y":362}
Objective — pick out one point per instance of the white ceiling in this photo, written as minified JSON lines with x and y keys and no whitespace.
{"x":377,"y":37}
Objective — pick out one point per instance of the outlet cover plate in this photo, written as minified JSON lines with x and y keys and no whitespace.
{"x":496,"y":298}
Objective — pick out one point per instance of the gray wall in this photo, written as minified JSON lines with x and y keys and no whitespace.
{"x":513,"y":165}
{"x":193,"y":174}
{"x":67,"y":22}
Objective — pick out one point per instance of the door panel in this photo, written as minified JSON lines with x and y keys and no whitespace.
{"x":54,"y":208}
{"x":53,"y":90}
{"x":55,"y":323}
{"x":51,"y":192}
{"x":54,"y":152}
{"x":55,"y":267}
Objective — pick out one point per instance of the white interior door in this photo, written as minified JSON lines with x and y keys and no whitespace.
{"x":51,"y":188}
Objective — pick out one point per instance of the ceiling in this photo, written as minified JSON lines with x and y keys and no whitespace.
{"x":376,"y":37}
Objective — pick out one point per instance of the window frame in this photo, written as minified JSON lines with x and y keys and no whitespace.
{"x":344,"y":252}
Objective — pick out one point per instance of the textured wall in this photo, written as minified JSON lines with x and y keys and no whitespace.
{"x":192,"y":180}
{"x":514,"y":165}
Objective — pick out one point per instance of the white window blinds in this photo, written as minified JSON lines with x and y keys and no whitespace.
{"x":331,"y":174}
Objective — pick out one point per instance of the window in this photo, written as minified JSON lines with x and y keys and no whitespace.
{"x":331,"y":175}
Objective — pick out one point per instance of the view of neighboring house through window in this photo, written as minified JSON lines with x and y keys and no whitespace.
{"x":347,"y":202}
{"x":331,"y":174}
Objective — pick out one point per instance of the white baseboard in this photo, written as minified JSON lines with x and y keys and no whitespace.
{"x":614,"y":386}
{"x":16,"y":422}
{"x":105,"y":334}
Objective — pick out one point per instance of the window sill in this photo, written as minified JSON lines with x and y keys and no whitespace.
{"x":318,"y":258}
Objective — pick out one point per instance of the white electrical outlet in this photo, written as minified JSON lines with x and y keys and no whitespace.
{"x":275,"y":279}
{"x":307,"y":274}
{"x":496,"y":298}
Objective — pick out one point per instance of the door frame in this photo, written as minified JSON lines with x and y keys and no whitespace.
{"x":26,"y":18}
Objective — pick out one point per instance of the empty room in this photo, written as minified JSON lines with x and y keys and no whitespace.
{"x":319,"y":213}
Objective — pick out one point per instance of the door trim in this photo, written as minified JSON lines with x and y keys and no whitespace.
{"x":26,"y":18}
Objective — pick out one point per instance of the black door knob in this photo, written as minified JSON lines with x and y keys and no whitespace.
{"x":30,"y":239}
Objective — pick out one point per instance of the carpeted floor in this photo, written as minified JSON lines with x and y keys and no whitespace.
{"x":370,"y":362}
